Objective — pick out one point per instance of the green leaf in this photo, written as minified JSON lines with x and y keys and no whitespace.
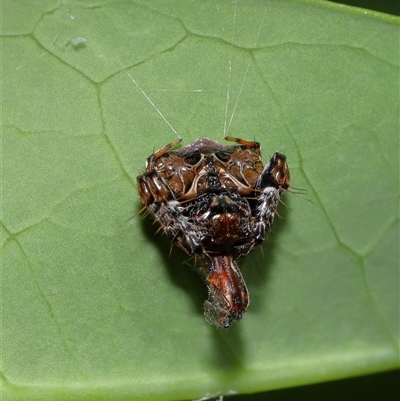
{"x":94,"y":307}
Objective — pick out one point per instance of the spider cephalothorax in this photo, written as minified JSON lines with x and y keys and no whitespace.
{"x":215,"y":202}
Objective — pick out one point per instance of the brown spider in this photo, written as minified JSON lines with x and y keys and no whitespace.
{"x":215,"y":202}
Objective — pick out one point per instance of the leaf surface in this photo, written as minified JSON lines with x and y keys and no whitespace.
{"x":94,"y":307}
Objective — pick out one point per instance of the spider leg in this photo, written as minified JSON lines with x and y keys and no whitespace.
{"x":273,"y":182}
{"x":158,"y":198}
{"x":245,"y":142}
{"x":151,"y":159}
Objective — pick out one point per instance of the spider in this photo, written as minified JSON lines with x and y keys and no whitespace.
{"x":215,"y":202}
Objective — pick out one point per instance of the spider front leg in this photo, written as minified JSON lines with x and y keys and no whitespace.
{"x":271,"y":185}
{"x":251,"y":144}
{"x":156,"y":196}
{"x":151,"y":160}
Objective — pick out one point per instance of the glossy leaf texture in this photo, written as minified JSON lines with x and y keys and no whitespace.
{"x":94,"y":306}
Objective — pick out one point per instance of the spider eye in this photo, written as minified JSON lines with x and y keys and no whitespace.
{"x":193,"y":159}
{"x":223,"y":156}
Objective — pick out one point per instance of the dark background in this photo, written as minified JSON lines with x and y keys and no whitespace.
{"x":378,"y":387}
{"x":381,"y":386}
{"x":383,"y":6}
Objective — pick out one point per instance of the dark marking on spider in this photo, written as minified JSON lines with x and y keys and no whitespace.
{"x":215,"y":202}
